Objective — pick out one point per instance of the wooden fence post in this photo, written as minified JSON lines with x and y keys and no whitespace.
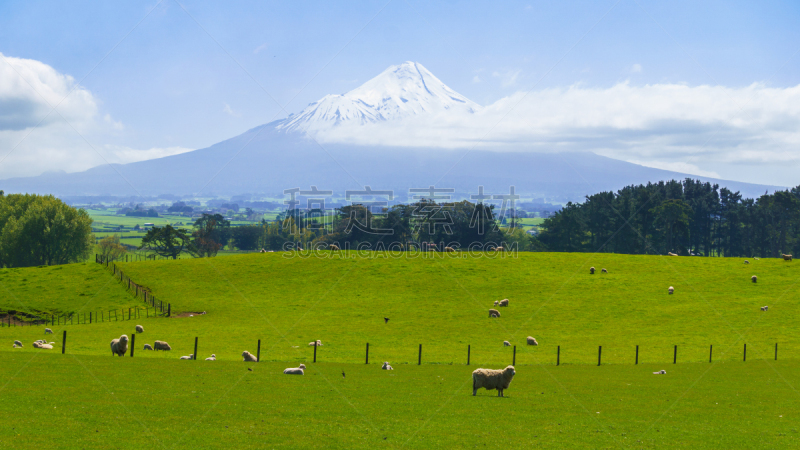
{"x":599,"y":353}
{"x":776,"y":351}
{"x":745,"y":353}
{"x":468,"y":350}
{"x":419,"y":358}
{"x":194,"y":355}
{"x":514,"y":358}
{"x":637,"y":354}
{"x":558,"y":356}
{"x":258,"y":351}
{"x":675,"y":355}
{"x":133,"y":343}
{"x":315,"y":351}
{"x":169,"y":311}
{"x":710,"y":351}
{"x":64,"y":342}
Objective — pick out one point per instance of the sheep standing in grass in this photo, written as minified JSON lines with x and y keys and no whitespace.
{"x":754,"y":279}
{"x":591,"y":270}
{"x":18,"y":343}
{"x":48,"y":331}
{"x":139,"y":329}
{"x":147,"y":347}
{"x":492,"y":379}
{"x":449,"y":249}
{"x":494,"y":313}
{"x":295,"y":370}
{"x":671,"y":254}
{"x":386,"y":366}
{"x":161,"y":345}
{"x":318,"y":343}
{"x":119,"y":346}
{"x":746,"y":261}
{"x":532,"y":341}
{"x":764,"y":308}
{"x":671,"y":290}
{"x":248,"y":357}
{"x":506,"y":344}
{"x":603,"y":270}
{"x":503,"y":302}
{"x":333,"y":247}
{"x":786,"y":257}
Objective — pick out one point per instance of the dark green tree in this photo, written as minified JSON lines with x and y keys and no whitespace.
{"x":166,"y":241}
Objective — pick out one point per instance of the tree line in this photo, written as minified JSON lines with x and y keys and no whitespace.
{"x":688,"y":217}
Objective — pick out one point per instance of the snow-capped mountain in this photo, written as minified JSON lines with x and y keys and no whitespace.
{"x":401,"y":91}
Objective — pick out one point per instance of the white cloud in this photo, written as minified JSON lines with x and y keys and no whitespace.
{"x":260,"y":48}
{"x":636,"y":68}
{"x":476,"y":79}
{"x":35,"y":139}
{"x":227,"y":110}
{"x":507,"y":78}
{"x":694,"y":129}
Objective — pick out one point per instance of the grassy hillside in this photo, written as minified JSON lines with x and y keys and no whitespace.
{"x":55,"y":401}
{"x":443,"y":304}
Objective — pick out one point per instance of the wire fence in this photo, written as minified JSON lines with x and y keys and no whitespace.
{"x":138,"y":291}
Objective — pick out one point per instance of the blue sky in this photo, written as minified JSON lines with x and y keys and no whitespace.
{"x":187,"y":79}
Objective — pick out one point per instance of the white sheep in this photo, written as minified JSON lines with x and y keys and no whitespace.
{"x":119,"y":346}
{"x":764,"y":308}
{"x":506,"y":344}
{"x":503,"y":302}
{"x":496,"y":302}
{"x":147,"y":347}
{"x":671,"y":290}
{"x":161,"y":345}
{"x":48,"y":331}
{"x":46,"y":346}
{"x":603,"y":270}
{"x":671,"y":254}
{"x":532,"y":341}
{"x":295,"y":370}
{"x":591,"y":270}
{"x":660,"y":372}
{"x":318,"y":343}
{"x":333,"y":247}
{"x":492,"y":379}
{"x":213,"y":357}
{"x":248,"y":357}
{"x":449,"y":249}
{"x":494,"y":313}
{"x":386,"y":366}
{"x":746,"y":261}
{"x":754,"y":279}
{"x":139,"y":329}
{"x":18,"y":343}
{"x":188,"y":357}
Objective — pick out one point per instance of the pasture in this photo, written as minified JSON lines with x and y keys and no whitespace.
{"x":440,"y":301}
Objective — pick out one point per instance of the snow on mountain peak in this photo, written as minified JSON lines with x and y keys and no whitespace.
{"x":400,"y":91}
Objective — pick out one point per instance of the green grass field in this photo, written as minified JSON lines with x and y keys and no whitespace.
{"x":440,"y":302}
{"x":68,"y":401}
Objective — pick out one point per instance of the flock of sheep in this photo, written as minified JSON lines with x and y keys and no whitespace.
{"x":504,"y":303}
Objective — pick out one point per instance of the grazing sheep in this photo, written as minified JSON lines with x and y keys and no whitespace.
{"x":746,"y":261}
{"x":248,"y":357}
{"x":161,"y":345}
{"x":295,"y":370}
{"x":318,"y":343}
{"x":48,"y":331}
{"x":532,"y":341}
{"x":213,"y":357}
{"x":660,"y":372}
{"x":671,"y":254}
{"x":756,"y":259}
{"x":119,"y":346}
{"x":503,"y":302}
{"x":754,"y":279}
{"x":494,"y":313}
{"x":18,"y":343}
{"x":492,"y":379}
{"x":139,"y":329}
{"x":333,"y":247}
{"x":496,"y":303}
{"x":671,"y":290}
{"x":147,"y":347}
{"x":591,"y":270}
{"x":786,"y":257}
{"x":764,"y":308}
{"x":499,"y":249}
{"x":506,"y":344}
{"x":188,"y":357}
{"x":603,"y":270}
{"x":386,"y":366}
{"x":449,"y":249}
